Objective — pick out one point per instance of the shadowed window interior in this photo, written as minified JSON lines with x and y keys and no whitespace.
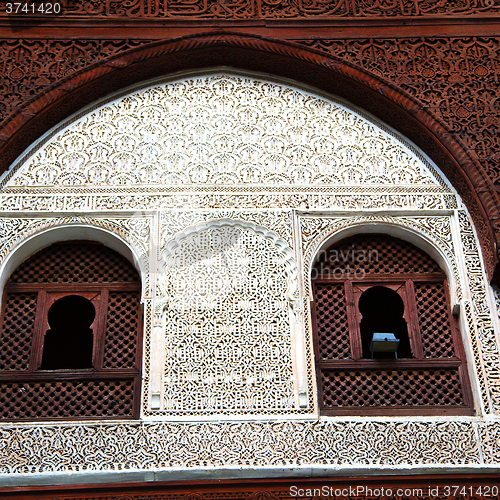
{"x":372,"y":284}
{"x":382,"y":311}
{"x":69,"y":342}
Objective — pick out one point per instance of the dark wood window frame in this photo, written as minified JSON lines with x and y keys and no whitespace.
{"x":98,"y":293}
{"x":418,"y":366}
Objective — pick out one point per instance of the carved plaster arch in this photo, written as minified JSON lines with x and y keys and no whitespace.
{"x":416,"y":230}
{"x":282,"y":246}
{"x":280,"y":58}
{"x":33,"y":235}
{"x":297,"y":357}
{"x":347,"y":146}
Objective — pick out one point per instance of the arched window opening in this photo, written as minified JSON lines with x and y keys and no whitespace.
{"x":382,"y":311}
{"x":71,"y":335}
{"x":371,"y":284}
{"x":69,"y":343}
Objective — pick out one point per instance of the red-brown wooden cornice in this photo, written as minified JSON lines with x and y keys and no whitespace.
{"x":262,"y":10}
{"x":410,"y":487}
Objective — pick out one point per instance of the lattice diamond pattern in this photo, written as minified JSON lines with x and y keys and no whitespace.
{"x":373,"y":253}
{"x":73,"y":266}
{"x":15,"y":341}
{"x":391,"y":388}
{"x":435,"y":328}
{"x":66,"y":398}
{"x":121,"y":330}
{"x":75,"y":262}
{"x":331,"y":321}
{"x":354,"y":386}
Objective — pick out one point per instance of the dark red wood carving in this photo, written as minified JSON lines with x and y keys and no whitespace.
{"x":272,"y":9}
{"x":444,"y":487}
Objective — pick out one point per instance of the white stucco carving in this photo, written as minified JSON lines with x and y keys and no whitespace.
{"x":223,"y":186}
{"x":224,"y":130}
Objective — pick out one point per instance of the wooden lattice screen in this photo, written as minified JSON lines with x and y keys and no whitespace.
{"x":110,"y":388}
{"x":433,"y":379}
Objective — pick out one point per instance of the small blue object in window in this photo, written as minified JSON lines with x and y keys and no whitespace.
{"x":384,"y":342}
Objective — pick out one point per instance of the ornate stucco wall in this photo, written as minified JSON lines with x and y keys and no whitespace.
{"x":438,"y":90}
{"x":223,"y":187}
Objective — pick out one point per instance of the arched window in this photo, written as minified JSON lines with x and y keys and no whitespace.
{"x":70,"y":335}
{"x":385,"y":339}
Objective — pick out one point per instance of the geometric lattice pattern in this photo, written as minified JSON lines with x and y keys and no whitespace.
{"x":373,"y":253}
{"x":17,"y":331}
{"x":332,"y":326}
{"x":75,"y":262}
{"x":66,"y":399}
{"x":77,"y":268}
{"x":376,"y":259}
{"x":228,"y":332}
{"x":121,"y":330}
{"x":391,"y":388}
{"x":435,"y":328}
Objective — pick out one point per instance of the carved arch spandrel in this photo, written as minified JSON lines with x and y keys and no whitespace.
{"x":433,"y":234}
{"x":328,"y":72}
{"x":129,"y":236}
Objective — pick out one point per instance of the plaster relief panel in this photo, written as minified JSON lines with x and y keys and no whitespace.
{"x":224,"y":130}
{"x":227,"y":318}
